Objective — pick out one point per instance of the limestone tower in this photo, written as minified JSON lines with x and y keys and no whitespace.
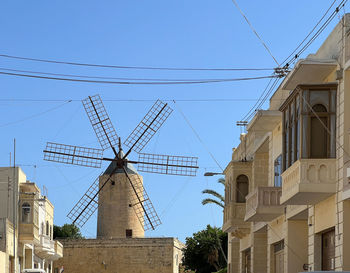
{"x":116,"y":216}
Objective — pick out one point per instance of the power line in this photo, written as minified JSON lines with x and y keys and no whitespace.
{"x":105,"y":78}
{"x":35,"y":115}
{"x":132,"y":67}
{"x":255,"y":32}
{"x":134,"y":82}
{"x":307,"y":36}
{"x":135,"y":100}
{"x":290,"y":59}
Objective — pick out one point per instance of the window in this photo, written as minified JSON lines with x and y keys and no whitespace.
{"x":47,"y":228}
{"x":278,"y":171}
{"x":128,"y":233}
{"x":242,"y":188}
{"x":26,"y":213}
{"x":309,"y":121}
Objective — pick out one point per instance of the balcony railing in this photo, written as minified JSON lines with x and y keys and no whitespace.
{"x":58,"y":250}
{"x":308,"y":181}
{"x":263,"y":204}
{"x":234,"y":217}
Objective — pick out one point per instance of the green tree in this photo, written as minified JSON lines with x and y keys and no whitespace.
{"x":218,"y":198}
{"x":203,"y":252}
{"x":67,"y":231}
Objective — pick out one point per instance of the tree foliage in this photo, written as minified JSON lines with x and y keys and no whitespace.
{"x":203,"y":251}
{"x":67,"y":231}
{"x":218,"y":198}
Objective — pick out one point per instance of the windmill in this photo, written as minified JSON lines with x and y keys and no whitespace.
{"x":120,"y":166}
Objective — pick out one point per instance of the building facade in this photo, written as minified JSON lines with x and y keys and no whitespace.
{"x":26,"y":225}
{"x":287,"y":192}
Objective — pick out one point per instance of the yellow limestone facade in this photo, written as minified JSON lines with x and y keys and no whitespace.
{"x":287,"y":192}
{"x":26,"y":225}
{"x":125,"y":255}
{"x":120,"y":245}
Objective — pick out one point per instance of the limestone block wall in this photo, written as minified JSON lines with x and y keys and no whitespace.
{"x":259,"y":252}
{"x":233,"y":254}
{"x":260,"y":169}
{"x":121,"y":255}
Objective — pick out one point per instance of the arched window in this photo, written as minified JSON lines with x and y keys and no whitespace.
{"x":26,"y":213}
{"x":242,"y":188}
{"x":319,"y":134}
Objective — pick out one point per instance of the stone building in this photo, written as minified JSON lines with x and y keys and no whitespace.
{"x":120,"y":245}
{"x":26,"y":225}
{"x":287,"y":193}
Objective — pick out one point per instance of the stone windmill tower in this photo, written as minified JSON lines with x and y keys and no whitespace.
{"x":124,"y":207}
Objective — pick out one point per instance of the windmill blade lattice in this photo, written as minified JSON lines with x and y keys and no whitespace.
{"x":167,"y":164}
{"x":141,"y":203}
{"x":148,"y":126}
{"x":87,"y":205}
{"x":103,"y":127}
{"x":75,"y":155}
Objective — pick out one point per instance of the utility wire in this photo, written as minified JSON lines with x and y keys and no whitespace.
{"x":255,"y":32}
{"x":290,"y":59}
{"x":135,"y":100}
{"x":106,"y":78}
{"x":135,"y":82}
{"x":132,"y":67}
{"x":35,"y":115}
{"x":307,"y":36}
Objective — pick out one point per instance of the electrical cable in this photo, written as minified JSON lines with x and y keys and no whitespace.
{"x":133,"y":67}
{"x":255,"y":32}
{"x":35,"y":115}
{"x":136,"y":83}
{"x":307,"y":36}
{"x":108,"y":78}
{"x":289,"y":60}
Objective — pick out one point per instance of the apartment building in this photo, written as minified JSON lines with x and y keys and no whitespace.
{"x":287,"y":193}
{"x":26,"y":225}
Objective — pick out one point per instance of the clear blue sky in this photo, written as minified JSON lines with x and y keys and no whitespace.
{"x":164,"y":33}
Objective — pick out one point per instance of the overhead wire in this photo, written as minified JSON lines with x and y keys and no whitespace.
{"x":292,"y":58}
{"x":136,"y":82}
{"x":35,"y":115}
{"x":132,"y":67}
{"x":109,"y":78}
{"x":255,"y":32}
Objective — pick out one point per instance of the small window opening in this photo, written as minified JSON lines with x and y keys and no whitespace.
{"x":128,"y":233}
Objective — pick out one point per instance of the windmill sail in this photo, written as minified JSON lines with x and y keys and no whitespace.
{"x":148,"y":126}
{"x":75,"y":155}
{"x":103,"y":127}
{"x":167,"y":164}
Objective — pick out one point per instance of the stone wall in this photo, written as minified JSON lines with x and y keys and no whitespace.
{"x":121,"y":255}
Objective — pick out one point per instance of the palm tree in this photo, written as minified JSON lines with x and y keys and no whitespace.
{"x":219,"y":199}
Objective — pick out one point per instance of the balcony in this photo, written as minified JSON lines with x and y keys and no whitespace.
{"x":263,"y":204}
{"x":234,"y":219}
{"x":308,"y":181}
{"x":58,"y":250}
{"x":28,"y":232}
{"x":46,"y":248}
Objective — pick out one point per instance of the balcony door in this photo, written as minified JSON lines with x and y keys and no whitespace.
{"x":279,"y":257}
{"x":328,"y":250}
{"x":319,"y":134}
